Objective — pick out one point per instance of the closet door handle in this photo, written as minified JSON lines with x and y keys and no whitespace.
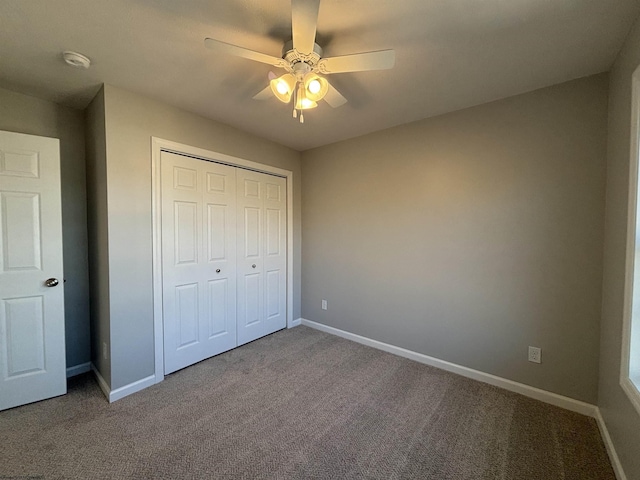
{"x":253,"y":266}
{"x":217,"y":270}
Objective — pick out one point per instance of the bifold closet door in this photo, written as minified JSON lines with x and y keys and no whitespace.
{"x":198,"y":259}
{"x":262,"y":259}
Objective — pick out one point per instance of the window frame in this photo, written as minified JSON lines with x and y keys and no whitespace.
{"x":631,"y":386}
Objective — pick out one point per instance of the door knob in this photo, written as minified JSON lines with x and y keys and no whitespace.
{"x":217,"y":270}
{"x":51,"y":282}
{"x":253,"y":266}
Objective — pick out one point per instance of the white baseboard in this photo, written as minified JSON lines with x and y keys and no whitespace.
{"x":134,"y":387}
{"x":104,"y":386}
{"x":78,"y":369}
{"x":526,"y":390}
{"x":611,"y":450}
{"x":118,"y":393}
{"x":295,"y":323}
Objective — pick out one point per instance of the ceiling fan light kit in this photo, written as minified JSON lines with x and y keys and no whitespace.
{"x":306,"y":87}
{"x":302,"y":59}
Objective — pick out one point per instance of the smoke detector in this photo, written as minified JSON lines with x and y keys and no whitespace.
{"x":76,"y":59}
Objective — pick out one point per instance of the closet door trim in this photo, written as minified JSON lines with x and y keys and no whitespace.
{"x":159,"y":145}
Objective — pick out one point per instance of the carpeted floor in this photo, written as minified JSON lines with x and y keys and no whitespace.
{"x":301,"y":404}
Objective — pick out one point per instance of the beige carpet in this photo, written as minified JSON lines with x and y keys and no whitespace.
{"x":301,"y":404}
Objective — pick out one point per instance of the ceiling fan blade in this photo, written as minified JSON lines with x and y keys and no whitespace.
{"x":334,"y":98}
{"x":358,"y":62}
{"x":264,"y":94}
{"x":242,"y":52}
{"x":304,"y":19}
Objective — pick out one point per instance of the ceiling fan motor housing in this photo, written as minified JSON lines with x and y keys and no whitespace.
{"x":293,"y":56}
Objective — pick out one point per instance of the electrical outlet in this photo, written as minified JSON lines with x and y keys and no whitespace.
{"x":325,"y":306}
{"x":104,"y":350}
{"x":535,"y":354}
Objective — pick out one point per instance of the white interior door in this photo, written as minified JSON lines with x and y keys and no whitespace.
{"x":261,"y":255}
{"x":198,"y":259}
{"x":32,"y":348}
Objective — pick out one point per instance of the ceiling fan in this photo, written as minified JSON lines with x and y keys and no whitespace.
{"x":305,"y":66}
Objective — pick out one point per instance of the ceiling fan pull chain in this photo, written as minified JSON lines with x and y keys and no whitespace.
{"x":301,"y":117}
{"x":295,"y":112}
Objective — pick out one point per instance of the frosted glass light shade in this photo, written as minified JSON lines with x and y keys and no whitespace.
{"x":315,"y":87}
{"x":282,"y":87}
{"x":303,"y":102}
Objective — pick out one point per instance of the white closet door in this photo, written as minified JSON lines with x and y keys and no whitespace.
{"x":198,"y":259}
{"x":32,"y":344}
{"x":261,"y":255}
{"x":275,"y":253}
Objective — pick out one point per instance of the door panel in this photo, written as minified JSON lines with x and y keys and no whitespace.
{"x":186,"y":232}
{"x":262,"y":263}
{"x":198,"y":259}
{"x":274,"y":190}
{"x":17,"y":162}
{"x":273,"y":231}
{"x":21,"y":231}
{"x":32,"y":344}
{"x":216,"y":183}
{"x":218,"y":316}
{"x":252,"y":188}
{"x":25,"y":336}
{"x":252,"y":299}
{"x":275,"y":254}
{"x":250,"y":235}
{"x":219,"y":270}
{"x":187,"y":314}
{"x":273,"y":293}
{"x":252,"y":232}
{"x":185,"y":179}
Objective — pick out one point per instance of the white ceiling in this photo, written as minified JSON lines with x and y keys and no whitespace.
{"x":450,"y":54}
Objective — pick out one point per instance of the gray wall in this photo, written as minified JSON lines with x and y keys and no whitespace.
{"x":623,"y":422}
{"x":24,"y":114}
{"x":469,"y":236}
{"x":131,"y":121}
{"x":96,"y":154}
